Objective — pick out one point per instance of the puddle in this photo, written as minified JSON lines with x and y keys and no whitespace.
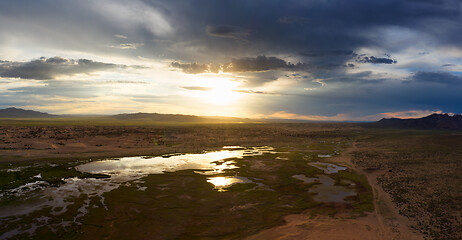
{"x":328,"y":168}
{"x":209,"y":163}
{"x":326,"y":191}
{"x":305,"y":179}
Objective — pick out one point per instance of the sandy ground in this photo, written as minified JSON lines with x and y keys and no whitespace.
{"x":384,"y":223}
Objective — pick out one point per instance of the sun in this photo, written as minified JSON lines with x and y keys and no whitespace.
{"x":220,"y":91}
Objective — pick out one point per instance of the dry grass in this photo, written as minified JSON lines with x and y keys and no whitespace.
{"x":63,"y":142}
{"x":423,"y":178}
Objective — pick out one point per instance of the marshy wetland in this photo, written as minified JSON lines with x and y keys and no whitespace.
{"x":229,"y":181}
{"x":186,"y":196}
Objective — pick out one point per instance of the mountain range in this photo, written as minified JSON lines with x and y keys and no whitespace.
{"x":13,"y":112}
{"x":434,"y":121}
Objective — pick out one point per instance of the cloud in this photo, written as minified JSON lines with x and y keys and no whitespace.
{"x":254,"y":92}
{"x":293,"y":20}
{"x":241,"y":65}
{"x":375,"y":60}
{"x":437,"y":77}
{"x":328,"y":53}
{"x":197,"y":88}
{"x":58,"y":88}
{"x":193,"y":68}
{"x":258,"y":64}
{"x":286,"y":115}
{"x":120,"y":36}
{"x":326,"y":37}
{"x":128,"y":45}
{"x":126,"y":82}
{"x":363,"y":94}
{"x":130,"y":13}
{"x":405,"y":114}
{"x":50,"y":68}
{"x":227,"y":31}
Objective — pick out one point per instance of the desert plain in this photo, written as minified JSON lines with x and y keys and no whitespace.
{"x":398,"y":184}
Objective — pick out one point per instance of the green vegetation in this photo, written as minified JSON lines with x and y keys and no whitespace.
{"x":183,"y":205}
{"x":199,"y":212}
{"x":13,"y":176}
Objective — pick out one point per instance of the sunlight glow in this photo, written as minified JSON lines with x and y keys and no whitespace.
{"x":221,"y":183}
{"x":221,"y":91}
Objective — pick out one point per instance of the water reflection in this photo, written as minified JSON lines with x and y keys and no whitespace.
{"x":327,"y":167}
{"x":209,"y":163}
{"x":129,"y":171}
{"x":326,"y":191}
{"x":221,"y":183}
{"x":304,"y":178}
{"x":124,"y":171}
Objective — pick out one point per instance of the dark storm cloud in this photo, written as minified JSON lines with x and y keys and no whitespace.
{"x":50,"y":68}
{"x":226,"y":31}
{"x":437,"y":77}
{"x":193,"y":68}
{"x":256,"y":64}
{"x":329,"y":53}
{"x":260,"y":64}
{"x":327,"y":25}
{"x":293,"y":20}
{"x":182,"y":30}
{"x":422,"y":91}
{"x":375,"y":60}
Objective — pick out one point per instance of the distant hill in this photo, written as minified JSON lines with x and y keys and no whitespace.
{"x":139,"y":117}
{"x":157,"y":117}
{"x":434,"y":121}
{"x":142,"y":117}
{"x":21,"y":113}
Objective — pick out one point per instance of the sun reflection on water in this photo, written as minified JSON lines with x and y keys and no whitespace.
{"x":221,"y":183}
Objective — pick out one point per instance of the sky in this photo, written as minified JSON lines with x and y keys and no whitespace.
{"x":334,"y":60}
